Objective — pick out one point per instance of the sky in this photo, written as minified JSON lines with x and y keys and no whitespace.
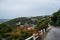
{"x":25,"y":8}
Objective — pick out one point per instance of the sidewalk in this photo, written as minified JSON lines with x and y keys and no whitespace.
{"x":45,"y":34}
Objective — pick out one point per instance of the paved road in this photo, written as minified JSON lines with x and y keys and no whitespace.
{"x":54,"y":34}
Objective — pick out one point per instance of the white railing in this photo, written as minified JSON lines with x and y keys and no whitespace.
{"x":34,"y":37}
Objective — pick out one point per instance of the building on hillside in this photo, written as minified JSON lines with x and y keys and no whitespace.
{"x":30,"y":28}
{"x":18,"y":23}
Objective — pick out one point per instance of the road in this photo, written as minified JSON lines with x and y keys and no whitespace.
{"x":53,"y":34}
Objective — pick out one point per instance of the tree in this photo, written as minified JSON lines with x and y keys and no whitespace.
{"x":43,"y":24}
{"x":5,"y":28}
{"x":56,"y":18}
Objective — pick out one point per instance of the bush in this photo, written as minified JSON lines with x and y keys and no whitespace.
{"x":42,"y":24}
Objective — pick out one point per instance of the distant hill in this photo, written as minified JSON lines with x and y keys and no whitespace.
{"x":3,"y":20}
{"x":23,"y":20}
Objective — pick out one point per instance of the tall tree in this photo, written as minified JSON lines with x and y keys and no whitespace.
{"x":56,"y":18}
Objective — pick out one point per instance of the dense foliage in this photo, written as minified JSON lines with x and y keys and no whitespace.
{"x":11,"y":30}
{"x":42,"y":24}
{"x":23,"y":20}
{"x":14,"y":33}
{"x":56,"y":18}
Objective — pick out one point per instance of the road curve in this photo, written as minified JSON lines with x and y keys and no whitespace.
{"x":54,"y":34}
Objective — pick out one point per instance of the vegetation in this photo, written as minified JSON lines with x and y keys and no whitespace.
{"x":23,"y":20}
{"x":13,"y":33}
{"x":43,"y":24}
{"x":56,"y":18}
{"x":5,"y":28}
{"x":11,"y":30}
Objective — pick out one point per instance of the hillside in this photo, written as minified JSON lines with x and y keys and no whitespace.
{"x":56,"y":18}
{"x":23,"y":20}
{"x":3,"y":20}
{"x":22,"y":27}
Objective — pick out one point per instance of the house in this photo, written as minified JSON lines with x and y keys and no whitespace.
{"x":30,"y":28}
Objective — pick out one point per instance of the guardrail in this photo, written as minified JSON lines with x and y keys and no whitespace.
{"x":34,"y":37}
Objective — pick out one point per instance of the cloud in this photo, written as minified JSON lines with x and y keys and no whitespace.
{"x":17,"y":8}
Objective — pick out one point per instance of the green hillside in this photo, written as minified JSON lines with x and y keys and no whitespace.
{"x":23,"y":20}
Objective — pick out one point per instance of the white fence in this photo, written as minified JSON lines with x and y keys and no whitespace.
{"x":34,"y":37}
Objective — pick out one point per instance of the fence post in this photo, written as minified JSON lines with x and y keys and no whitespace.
{"x":33,"y":36}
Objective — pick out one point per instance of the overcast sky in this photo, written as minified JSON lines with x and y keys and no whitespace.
{"x":19,"y":8}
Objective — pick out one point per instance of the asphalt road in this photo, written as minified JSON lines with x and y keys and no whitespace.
{"x":54,"y":34}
